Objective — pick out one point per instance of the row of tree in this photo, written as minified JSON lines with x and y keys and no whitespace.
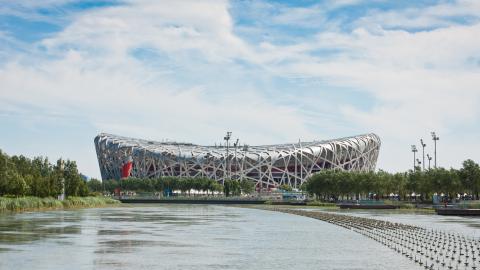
{"x":168,"y":184}
{"x":235,"y":188}
{"x":21,"y":176}
{"x":354,"y":185}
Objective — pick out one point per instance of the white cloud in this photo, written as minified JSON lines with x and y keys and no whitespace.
{"x":98,"y":79}
{"x":422,"y":82}
{"x":197,"y":89}
{"x":434,"y":16}
{"x":29,"y":10}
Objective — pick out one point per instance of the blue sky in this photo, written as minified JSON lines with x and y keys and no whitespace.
{"x":269,"y":71}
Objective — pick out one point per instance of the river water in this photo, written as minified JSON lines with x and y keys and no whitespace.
{"x":189,"y":237}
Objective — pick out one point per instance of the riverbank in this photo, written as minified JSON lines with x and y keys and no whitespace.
{"x":36,"y":203}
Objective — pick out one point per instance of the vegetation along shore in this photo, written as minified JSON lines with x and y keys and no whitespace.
{"x":35,"y":203}
{"x":35,"y":184}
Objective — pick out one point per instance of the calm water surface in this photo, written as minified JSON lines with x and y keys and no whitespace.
{"x":189,"y":237}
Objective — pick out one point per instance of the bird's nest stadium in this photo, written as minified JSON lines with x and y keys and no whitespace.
{"x":266,"y":165}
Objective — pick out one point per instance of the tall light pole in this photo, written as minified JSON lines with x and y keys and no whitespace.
{"x":295,"y":151}
{"x":429,"y":159}
{"x":227,"y":138}
{"x":245,"y":149}
{"x":414,"y":150}
{"x":301,"y":162}
{"x":423,"y":152}
{"x":179,"y":161}
{"x":236,"y":162}
{"x":435,"y":138}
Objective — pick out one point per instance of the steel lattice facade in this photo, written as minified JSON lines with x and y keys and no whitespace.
{"x":266,"y":165}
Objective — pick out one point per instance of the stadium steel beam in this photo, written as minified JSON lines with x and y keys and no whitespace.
{"x":266,"y":165}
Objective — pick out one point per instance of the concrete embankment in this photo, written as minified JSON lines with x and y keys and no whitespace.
{"x":457,"y":212}
{"x":429,"y":249}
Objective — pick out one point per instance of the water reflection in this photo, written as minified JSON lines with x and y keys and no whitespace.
{"x":184,"y":237}
{"x":27,"y":227}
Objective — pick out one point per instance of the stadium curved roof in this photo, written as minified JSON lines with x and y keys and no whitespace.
{"x":277,"y":163}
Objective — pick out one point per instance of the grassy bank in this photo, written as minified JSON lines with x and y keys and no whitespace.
{"x":36,"y":203}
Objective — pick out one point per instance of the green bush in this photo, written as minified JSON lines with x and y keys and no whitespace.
{"x":407,"y":206}
{"x":34,"y":203}
{"x":322,"y":204}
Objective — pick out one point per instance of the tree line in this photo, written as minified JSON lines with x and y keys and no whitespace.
{"x":333,"y":184}
{"x":21,"y":176}
{"x":168,"y":184}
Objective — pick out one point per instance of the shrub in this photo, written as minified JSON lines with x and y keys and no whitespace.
{"x":33,"y":203}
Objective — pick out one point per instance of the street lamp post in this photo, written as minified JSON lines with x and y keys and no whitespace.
{"x":227,"y":138}
{"x":423,"y":153}
{"x":414,"y":150}
{"x":435,"y":138}
{"x":429,"y":159}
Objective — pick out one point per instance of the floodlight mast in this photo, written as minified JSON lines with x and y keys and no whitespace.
{"x":423,"y":152}
{"x":414,"y":150}
{"x":227,"y":138}
{"x":236,"y":162}
{"x":245,"y":149}
{"x":435,"y":138}
{"x":429,"y":159}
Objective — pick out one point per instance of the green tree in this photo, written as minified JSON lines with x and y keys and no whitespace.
{"x":4,"y":168}
{"x":247,"y":186}
{"x":414,"y":180}
{"x":470,"y":177}
{"x":16,"y":184}
{"x":183,"y":185}
{"x":227,"y":187}
{"x":111,"y":185}
{"x":399,"y":183}
{"x":72,"y":180}
{"x":231,"y":187}
{"x":344,"y":184}
{"x":94,"y":185}
{"x":285,"y":187}
{"x":83,"y":189}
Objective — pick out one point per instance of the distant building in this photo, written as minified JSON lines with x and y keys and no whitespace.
{"x":266,"y":165}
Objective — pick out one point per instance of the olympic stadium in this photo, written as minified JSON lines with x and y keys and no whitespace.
{"x":266,"y":165}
